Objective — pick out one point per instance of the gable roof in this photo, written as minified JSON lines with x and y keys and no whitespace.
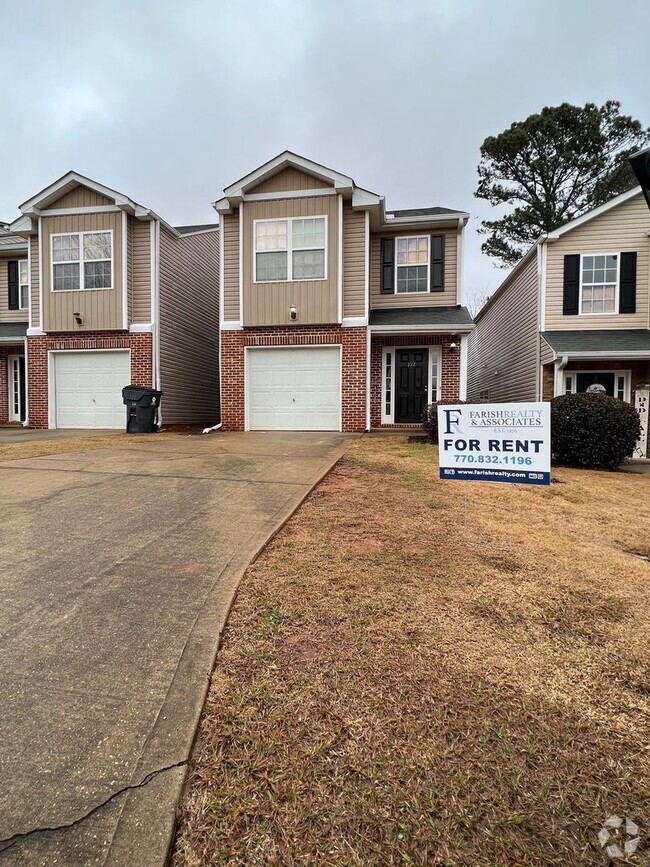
{"x":282,"y":161}
{"x":554,"y":236}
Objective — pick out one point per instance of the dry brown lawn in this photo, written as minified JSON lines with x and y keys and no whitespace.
{"x":39,"y":448}
{"x":402,"y":684}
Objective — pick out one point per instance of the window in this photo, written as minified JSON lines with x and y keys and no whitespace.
{"x":412,"y":264}
{"x":23,"y":284}
{"x":388,"y":385}
{"x":291,"y":249}
{"x":83,"y":260}
{"x":598,"y":284}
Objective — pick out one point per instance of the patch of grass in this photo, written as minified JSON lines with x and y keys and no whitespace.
{"x":40,"y":448}
{"x":389,"y":694}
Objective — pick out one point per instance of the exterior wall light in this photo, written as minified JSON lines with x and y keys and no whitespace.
{"x":293,"y":313}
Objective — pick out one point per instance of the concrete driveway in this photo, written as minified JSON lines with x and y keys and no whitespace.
{"x":117,"y":570}
{"x":16,"y":434}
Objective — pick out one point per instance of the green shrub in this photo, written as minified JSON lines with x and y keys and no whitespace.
{"x":592,"y":430}
{"x":430,"y":417}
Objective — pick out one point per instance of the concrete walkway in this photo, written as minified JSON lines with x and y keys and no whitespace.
{"x":15,"y":434}
{"x":117,"y":570}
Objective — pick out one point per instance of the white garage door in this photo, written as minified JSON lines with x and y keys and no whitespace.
{"x":88,"y":389}
{"x":294,"y":389}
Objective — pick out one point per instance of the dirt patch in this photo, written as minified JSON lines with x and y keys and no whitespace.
{"x":20,"y":451}
{"x":420,"y":700}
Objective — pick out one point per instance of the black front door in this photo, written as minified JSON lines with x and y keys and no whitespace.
{"x":411,"y":385}
{"x":584,"y":380}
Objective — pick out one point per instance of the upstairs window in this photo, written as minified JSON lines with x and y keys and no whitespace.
{"x":412,"y":264}
{"x":598,"y":284}
{"x":83,"y":260}
{"x":23,"y":284}
{"x":291,"y":249}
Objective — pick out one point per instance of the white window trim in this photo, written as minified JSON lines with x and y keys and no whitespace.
{"x":434,"y":350}
{"x":618,"y":280}
{"x":427,"y":238}
{"x":290,"y":248}
{"x":570,"y":376}
{"x":81,"y":261}
{"x":22,"y":306}
{"x":12,"y":360}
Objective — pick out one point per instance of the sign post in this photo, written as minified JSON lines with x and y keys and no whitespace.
{"x":495,"y":442}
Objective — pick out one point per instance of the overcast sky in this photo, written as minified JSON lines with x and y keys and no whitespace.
{"x":169,"y":102}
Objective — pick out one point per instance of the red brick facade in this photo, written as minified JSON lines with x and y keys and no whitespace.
{"x":352,"y":340}
{"x":449,"y":373}
{"x":37,"y":355}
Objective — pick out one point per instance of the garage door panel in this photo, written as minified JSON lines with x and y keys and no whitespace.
{"x":294,"y":389}
{"x":88,"y":389}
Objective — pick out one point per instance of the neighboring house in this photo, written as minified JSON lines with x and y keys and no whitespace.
{"x":336,"y":314}
{"x":96,"y":292}
{"x":574,"y":312}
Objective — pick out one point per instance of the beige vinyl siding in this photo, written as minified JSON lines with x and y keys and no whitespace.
{"x":621,"y":229}
{"x":99,"y":308}
{"x":189,"y":328}
{"x":354,"y":262}
{"x":503,"y":348}
{"x":413,"y":299}
{"x":35,"y":301}
{"x":289,"y":180}
{"x":129,"y":270}
{"x":81,"y":197}
{"x":230,"y":229}
{"x":546,"y":352}
{"x":315,"y":300}
{"x":7,"y":315}
{"x":141,"y":281}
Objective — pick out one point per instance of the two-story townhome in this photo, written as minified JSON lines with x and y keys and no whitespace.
{"x":574,"y":312}
{"x":335,"y":313}
{"x":96,"y":292}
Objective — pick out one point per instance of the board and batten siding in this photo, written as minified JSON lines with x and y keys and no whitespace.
{"x":289,"y":180}
{"x":141,"y":271}
{"x":7,"y":315}
{"x":100,"y":309}
{"x":502,"y":358}
{"x":354,"y":262}
{"x":189,"y":327}
{"x":81,"y":197}
{"x":230,"y":228}
{"x":315,"y":300}
{"x":414,"y":299}
{"x":621,"y":229}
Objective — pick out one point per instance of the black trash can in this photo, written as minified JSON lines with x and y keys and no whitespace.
{"x":141,"y":408}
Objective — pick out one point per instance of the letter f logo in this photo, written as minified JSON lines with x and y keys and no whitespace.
{"x":453,"y":417}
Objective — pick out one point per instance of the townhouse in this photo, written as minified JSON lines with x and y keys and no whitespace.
{"x":96,"y":292}
{"x":336,"y":314}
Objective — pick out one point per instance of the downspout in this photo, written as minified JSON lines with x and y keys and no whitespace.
{"x":26,"y":422}
{"x":156,"y":315}
{"x":560,"y":364}
{"x":207,"y":430}
{"x":368,"y":361}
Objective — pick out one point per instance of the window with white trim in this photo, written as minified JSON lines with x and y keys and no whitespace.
{"x":83,"y":260}
{"x":435,"y":374}
{"x":388,"y":385}
{"x":598,"y":284}
{"x":23,"y":284}
{"x":290,"y":249}
{"x":412,"y":264}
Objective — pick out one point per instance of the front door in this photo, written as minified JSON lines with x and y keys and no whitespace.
{"x":17,"y":406}
{"x":584,"y":380}
{"x":412,"y":385}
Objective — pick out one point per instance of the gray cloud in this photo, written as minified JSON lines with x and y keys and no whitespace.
{"x":169,"y":102}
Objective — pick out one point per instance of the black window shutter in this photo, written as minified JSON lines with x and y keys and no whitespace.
{"x":12,"y":283}
{"x":571,"y":285}
{"x":437,"y":263}
{"x":387,"y":265}
{"x":627,"y":295}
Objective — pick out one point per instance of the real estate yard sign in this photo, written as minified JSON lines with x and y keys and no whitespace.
{"x":496,"y":442}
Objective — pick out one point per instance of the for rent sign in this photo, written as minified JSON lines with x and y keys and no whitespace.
{"x":496,"y":442}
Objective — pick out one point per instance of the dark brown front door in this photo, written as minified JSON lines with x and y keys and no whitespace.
{"x":411,"y":385}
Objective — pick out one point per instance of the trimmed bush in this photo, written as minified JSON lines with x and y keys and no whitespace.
{"x":430,"y":417}
{"x":593,"y":430}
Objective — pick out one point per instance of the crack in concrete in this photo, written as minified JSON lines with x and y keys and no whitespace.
{"x":10,"y":842}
